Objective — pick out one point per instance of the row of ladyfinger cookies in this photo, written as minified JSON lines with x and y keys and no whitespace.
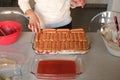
{"x":61,"y":35}
{"x":62,"y":30}
{"x":58,"y":46}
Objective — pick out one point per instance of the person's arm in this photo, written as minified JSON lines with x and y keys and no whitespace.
{"x":78,"y":3}
{"x":34,"y":23}
{"x":24,"y":5}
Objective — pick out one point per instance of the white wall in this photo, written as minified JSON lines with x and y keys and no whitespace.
{"x":97,"y":1}
{"x":114,"y":5}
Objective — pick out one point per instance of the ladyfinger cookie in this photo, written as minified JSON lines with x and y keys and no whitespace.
{"x":62,"y":30}
{"x":62,"y":34}
{"x":77,"y":30}
{"x":36,"y":37}
{"x":49,"y":30}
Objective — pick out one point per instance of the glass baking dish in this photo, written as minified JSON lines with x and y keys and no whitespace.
{"x":56,"y":66}
{"x":61,"y":41}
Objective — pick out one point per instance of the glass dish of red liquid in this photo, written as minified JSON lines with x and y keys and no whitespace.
{"x":56,"y":67}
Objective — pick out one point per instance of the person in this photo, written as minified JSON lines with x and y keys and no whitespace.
{"x":49,"y":13}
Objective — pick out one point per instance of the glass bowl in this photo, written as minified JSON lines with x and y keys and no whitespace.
{"x":11,"y":65}
{"x":106,"y":24}
{"x":56,"y":66}
{"x":15,"y":15}
{"x":102,"y":19}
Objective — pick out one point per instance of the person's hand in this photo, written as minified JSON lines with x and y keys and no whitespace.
{"x":78,"y":3}
{"x":34,"y":23}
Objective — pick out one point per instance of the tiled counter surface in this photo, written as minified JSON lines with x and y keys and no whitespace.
{"x":98,"y":63}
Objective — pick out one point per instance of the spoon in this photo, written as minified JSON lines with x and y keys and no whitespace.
{"x":1,"y":31}
{"x":117,"y":30}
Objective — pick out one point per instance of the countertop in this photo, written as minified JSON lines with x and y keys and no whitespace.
{"x":98,"y":63}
